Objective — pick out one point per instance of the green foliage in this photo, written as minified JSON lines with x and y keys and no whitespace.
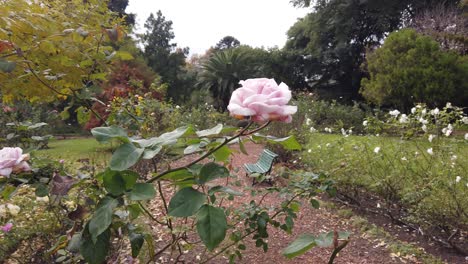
{"x":411,"y":68}
{"x":211,"y":226}
{"x":333,"y":38}
{"x":47,"y":51}
{"x":306,"y":241}
{"x":228,"y":42}
{"x":222,"y":72}
{"x":162,"y":55}
{"x":186,"y":202}
{"x":423,"y":177}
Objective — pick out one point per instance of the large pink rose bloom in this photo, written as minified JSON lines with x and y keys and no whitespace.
{"x":263,"y":100}
{"x":13,"y":160}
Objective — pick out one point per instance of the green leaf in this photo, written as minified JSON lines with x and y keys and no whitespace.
{"x":7,"y":66}
{"x":242,"y":147}
{"x":186,"y":202}
{"x":222,"y":154}
{"x":102,"y":218}
{"x":210,"y":132}
{"x":117,"y":182}
{"x":37,"y":125}
{"x":192,"y":149}
{"x":324,"y":239}
{"x":7,"y":191}
{"x":83,"y":115}
{"x":74,"y":243}
{"x":123,"y":55}
{"x":134,"y":210}
{"x":171,"y":137}
{"x":136,"y":242}
{"x":289,"y":143}
{"x":104,"y":134}
{"x":299,"y":246}
{"x":142,"y":191}
{"x":224,"y":189}
{"x":41,"y":190}
{"x":315,"y":204}
{"x":65,"y":114}
{"x":149,"y":153}
{"x":178,"y":175}
{"x":125,"y":156}
{"x":96,"y":252}
{"x":211,"y":171}
{"x":211,"y":226}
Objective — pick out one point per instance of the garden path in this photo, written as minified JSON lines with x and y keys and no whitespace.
{"x":361,"y":249}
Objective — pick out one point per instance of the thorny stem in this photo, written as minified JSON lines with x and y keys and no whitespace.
{"x":149,"y":214}
{"x":226,"y":141}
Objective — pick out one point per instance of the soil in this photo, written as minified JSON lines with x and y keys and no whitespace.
{"x":362,"y":248}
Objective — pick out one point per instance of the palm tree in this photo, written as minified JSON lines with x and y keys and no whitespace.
{"x":222,"y":72}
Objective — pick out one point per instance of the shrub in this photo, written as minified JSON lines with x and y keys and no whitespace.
{"x":411,"y":68}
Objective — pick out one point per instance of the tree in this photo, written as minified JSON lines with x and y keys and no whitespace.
{"x":161,"y":53}
{"x":446,"y":25}
{"x":334,"y":37}
{"x":411,"y":68}
{"x":228,"y":42}
{"x":54,"y":49}
{"x":119,"y":7}
{"x":222,"y":72}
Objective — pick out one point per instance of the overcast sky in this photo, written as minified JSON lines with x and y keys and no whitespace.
{"x":201,"y":24}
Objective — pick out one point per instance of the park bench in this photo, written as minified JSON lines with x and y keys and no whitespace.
{"x":262,"y":167}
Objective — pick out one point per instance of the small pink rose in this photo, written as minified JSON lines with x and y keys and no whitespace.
{"x":61,"y":161}
{"x":6,"y":228}
{"x":13,"y":160}
{"x":263,"y":100}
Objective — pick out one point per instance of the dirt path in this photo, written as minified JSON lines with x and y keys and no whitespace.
{"x":360,"y":250}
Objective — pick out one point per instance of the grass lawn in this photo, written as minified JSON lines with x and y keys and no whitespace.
{"x":72,"y":150}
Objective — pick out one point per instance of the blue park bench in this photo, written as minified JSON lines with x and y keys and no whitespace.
{"x":262,"y":167}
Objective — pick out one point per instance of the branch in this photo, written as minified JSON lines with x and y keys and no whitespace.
{"x":226,"y":141}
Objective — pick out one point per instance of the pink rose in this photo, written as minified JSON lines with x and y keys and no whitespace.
{"x":263,"y":100}
{"x":6,"y":228}
{"x":13,"y":160}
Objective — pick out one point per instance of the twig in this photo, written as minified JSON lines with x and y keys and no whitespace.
{"x":226,"y":141}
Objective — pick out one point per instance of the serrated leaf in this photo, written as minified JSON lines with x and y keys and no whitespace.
{"x":186,"y":202}
{"x":125,"y":156}
{"x":211,"y":171}
{"x":211,"y":226}
{"x":142,"y":191}
{"x":102,"y":217}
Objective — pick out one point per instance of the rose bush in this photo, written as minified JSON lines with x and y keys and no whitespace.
{"x":263,"y":100}
{"x":13,"y":160}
